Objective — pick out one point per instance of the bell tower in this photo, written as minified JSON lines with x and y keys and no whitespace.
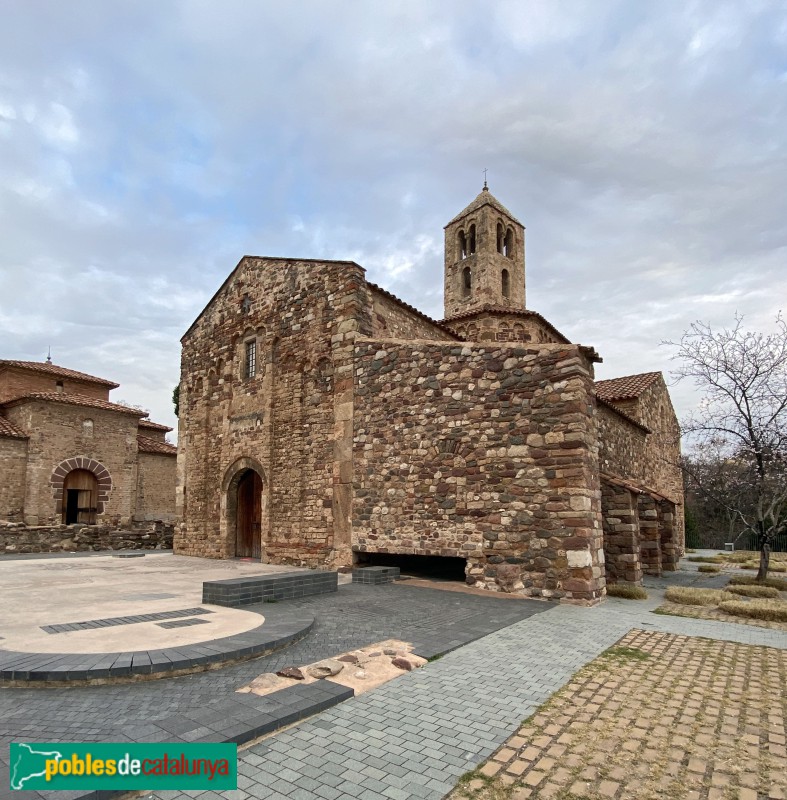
{"x":484,"y":258}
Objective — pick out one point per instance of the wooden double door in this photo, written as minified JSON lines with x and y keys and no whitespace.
{"x":80,"y":498}
{"x":248,"y":537}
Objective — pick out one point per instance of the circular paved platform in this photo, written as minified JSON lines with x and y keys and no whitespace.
{"x":278,"y":628}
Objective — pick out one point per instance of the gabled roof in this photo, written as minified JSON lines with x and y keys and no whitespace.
{"x":59,"y":372}
{"x":261,"y":258}
{"x":485,"y":198}
{"x":145,"y":445}
{"x":413,"y":310}
{"x":9,"y":430}
{"x":153,"y":426}
{"x":629,"y":387}
{"x":75,"y":400}
{"x":518,"y":312}
{"x":615,"y":410}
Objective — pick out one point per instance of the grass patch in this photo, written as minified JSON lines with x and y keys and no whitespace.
{"x":748,"y":580}
{"x":777,"y":567}
{"x":626,"y":654}
{"x":435,"y":658}
{"x":707,"y":559}
{"x":771,"y":610}
{"x":693,"y":597}
{"x":739,"y":556}
{"x":626,"y":590}
{"x":708,"y":568}
{"x":690,"y":550}
{"x":753,"y":591}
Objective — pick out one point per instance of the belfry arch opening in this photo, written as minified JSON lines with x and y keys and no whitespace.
{"x":508,"y":244}
{"x":80,"y":498}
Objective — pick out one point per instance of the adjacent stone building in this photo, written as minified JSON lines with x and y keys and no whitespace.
{"x":70,"y":456}
{"x":324,"y":422}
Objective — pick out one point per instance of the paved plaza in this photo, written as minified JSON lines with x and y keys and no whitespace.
{"x":411,"y":738}
{"x":656,"y":717}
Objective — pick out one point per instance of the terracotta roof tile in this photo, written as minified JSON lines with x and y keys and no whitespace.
{"x":8,"y":429}
{"x":146,"y":445}
{"x":76,"y":400}
{"x":629,"y":387}
{"x":485,"y":198}
{"x":153,"y":426}
{"x":53,"y":369}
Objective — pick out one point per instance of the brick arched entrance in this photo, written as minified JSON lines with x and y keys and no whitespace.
{"x":96,"y":468}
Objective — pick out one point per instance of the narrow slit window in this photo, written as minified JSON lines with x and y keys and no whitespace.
{"x":251,"y":359}
{"x":506,"y":283}
{"x":467,"y":281}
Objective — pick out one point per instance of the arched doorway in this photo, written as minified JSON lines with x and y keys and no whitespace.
{"x":248,"y":528}
{"x":80,"y":497}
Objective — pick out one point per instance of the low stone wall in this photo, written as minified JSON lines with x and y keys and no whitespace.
{"x":19,"y":538}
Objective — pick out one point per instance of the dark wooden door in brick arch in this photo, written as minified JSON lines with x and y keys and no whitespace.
{"x":248,"y":542}
{"x":80,"y":495}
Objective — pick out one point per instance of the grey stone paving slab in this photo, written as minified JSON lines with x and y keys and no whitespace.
{"x":354,"y":616}
{"x":455,"y":712}
{"x":112,"y":621}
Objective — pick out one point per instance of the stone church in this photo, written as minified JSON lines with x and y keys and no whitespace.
{"x":70,"y":456}
{"x":324,"y":422}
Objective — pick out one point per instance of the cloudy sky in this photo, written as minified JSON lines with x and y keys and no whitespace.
{"x":146,"y":145}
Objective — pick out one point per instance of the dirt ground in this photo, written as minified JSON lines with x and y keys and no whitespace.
{"x":657,"y":716}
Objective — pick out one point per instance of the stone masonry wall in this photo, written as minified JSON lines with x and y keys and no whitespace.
{"x":622,"y":446}
{"x":57,"y":433}
{"x":84,"y":538}
{"x":18,"y":382}
{"x":621,"y":534}
{"x":390,"y":320}
{"x":155,"y":487}
{"x":13,"y":466}
{"x":291,"y":421}
{"x":501,"y":327}
{"x":487,"y":453}
{"x":660,"y":459}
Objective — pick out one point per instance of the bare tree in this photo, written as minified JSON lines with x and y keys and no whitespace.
{"x":741,"y":423}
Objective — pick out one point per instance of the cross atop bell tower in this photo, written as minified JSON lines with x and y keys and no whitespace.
{"x":484,"y":258}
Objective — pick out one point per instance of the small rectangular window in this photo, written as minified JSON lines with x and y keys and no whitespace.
{"x":251,"y":359}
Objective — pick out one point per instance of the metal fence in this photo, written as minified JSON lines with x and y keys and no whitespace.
{"x":714,"y":540}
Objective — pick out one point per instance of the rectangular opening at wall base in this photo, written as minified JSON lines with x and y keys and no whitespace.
{"x":438,"y":568}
